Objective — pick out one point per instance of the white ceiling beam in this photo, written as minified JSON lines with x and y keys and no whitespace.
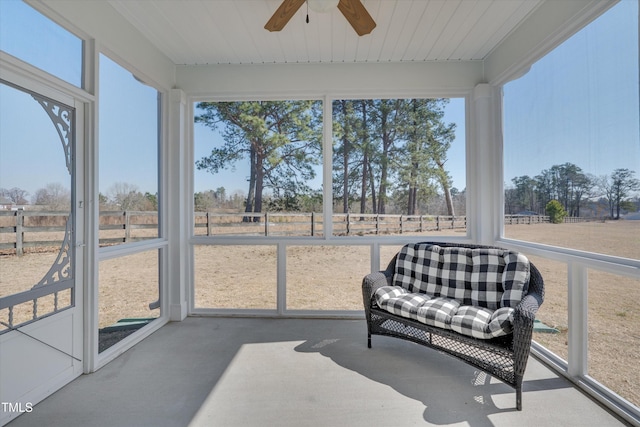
{"x":283,"y":81}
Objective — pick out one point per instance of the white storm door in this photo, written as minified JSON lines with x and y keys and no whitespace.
{"x":41,"y":310}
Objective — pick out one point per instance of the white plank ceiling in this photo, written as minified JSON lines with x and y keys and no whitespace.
{"x":232,"y":31}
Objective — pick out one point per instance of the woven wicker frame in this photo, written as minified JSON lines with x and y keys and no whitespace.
{"x":504,"y":358}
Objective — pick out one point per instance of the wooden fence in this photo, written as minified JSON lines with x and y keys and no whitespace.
{"x":25,"y":222}
{"x":258,"y":224}
{"x":46,"y":228}
{"x":127,"y":226}
{"x":525,"y":219}
{"x":311,"y":224}
{"x":542,"y":219}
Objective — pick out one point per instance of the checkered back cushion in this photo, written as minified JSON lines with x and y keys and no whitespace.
{"x":417,"y":268}
{"x":515,"y":279}
{"x":456,"y":274}
{"x":489,"y":278}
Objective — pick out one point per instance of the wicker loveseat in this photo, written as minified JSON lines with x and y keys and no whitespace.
{"x":477,"y":303}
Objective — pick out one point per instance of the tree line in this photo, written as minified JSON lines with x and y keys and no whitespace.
{"x":389,"y":155}
{"x":54,"y":196}
{"x":575,"y":190}
{"x":123,"y":196}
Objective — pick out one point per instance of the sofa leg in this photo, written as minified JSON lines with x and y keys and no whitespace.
{"x":519,"y":397}
{"x":369,"y":341}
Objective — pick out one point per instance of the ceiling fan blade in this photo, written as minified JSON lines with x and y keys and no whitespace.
{"x":279,"y":19}
{"x":357,"y":16}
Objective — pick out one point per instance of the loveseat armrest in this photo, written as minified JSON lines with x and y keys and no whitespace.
{"x":524,"y":316}
{"x":523,"y":320}
{"x":371,"y":283}
{"x":374,"y":281}
{"x":528,"y":307}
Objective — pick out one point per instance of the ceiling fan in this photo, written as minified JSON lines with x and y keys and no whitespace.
{"x":353,"y":10}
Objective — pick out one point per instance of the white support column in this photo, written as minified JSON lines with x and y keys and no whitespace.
{"x":91,"y":211}
{"x":327,"y":178}
{"x":485,"y":164}
{"x":177,"y":207}
{"x":578,"y":330}
{"x":281,"y":291}
{"x":375,"y":257}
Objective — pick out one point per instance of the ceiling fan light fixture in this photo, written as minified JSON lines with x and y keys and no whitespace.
{"x":322,"y":6}
{"x":353,"y":11}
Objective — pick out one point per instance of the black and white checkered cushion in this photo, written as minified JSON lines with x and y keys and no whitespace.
{"x":399,"y":301}
{"x":455,"y":274}
{"x":471,"y":291}
{"x":515,"y":279}
{"x":445,"y":313}
{"x":417,"y":269}
{"x":483,"y":323}
{"x":489,"y":278}
{"x":438,"y":312}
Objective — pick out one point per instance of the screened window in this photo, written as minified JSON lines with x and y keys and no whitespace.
{"x":35,"y":39}
{"x":249,"y":275}
{"x":128,"y":132}
{"x":572,"y":143}
{"x":398,"y":166}
{"x":258,"y":168}
{"x":572,"y":165}
{"x":129,"y":156}
{"x":128,"y":295}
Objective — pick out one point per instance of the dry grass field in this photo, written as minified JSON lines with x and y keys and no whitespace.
{"x":246,"y":277}
{"x":614,"y":301}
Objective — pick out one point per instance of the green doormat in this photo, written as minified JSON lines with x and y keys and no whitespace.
{"x":538,"y":326}
{"x":134,"y":323}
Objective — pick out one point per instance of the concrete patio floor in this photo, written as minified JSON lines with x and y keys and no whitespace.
{"x":302,"y":372}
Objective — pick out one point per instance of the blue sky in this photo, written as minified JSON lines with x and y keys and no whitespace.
{"x":128,"y":130}
{"x":578,"y":104}
{"x":38,"y":40}
{"x":30,"y":156}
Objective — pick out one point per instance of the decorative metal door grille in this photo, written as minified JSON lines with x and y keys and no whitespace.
{"x":60,"y":276}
